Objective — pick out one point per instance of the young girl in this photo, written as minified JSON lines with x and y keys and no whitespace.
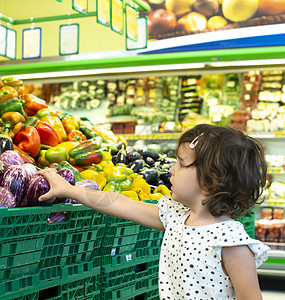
{"x":205,"y":254}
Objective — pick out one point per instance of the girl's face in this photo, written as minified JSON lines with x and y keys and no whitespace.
{"x":185,"y":187}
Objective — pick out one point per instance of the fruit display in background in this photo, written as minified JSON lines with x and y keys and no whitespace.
{"x":227,"y":14}
{"x":161,"y":21}
{"x":179,"y":7}
{"x":239,"y":10}
{"x":192,"y":21}
{"x":271,"y":7}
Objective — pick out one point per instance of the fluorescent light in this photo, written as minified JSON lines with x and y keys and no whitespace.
{"x":111,"y":71}
{"x":248,"y":63}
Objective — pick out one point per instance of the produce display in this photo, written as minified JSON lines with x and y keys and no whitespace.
{"x":169,"y":18}
{"x":33,"y":137}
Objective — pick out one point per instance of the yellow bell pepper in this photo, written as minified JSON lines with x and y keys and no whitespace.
{"x":106,"y":163}
{"x":162,"y":189}
{"x":57,"y":125}
{"x":92,"y":175}
{"x":67,"y":145}
{"x":106,"y":156}
{"x":141,"y":194}
{"x":110,"y":171}
{"x":131,"y":194}
{"x":156,"y":196}
{"x":139,"y":182}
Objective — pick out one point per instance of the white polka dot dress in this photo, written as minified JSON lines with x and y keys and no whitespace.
{"x":190,"y":259}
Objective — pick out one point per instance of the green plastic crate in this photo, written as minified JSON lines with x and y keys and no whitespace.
{"x":248,"y":222}
{"x":125,"y":292}
{"x":83,"y":286}
{"x":29,"y":221}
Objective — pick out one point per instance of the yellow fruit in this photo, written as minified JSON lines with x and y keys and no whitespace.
{"x":216,"y":22}
{"x":179,"y":7}
{"x":192,"y":22}
{"x":239,"y":10}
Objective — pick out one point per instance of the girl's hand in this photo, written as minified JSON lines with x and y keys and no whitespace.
{"x":59,"y":187}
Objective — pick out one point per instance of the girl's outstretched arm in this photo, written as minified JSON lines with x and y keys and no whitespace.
{"x":239,"y":264}
{"x":109,"y":203}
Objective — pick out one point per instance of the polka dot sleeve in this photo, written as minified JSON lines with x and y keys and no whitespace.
{"x":235,"y":235}
{"x":169,"y":209}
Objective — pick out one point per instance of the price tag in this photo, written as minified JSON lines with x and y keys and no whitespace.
{"x":142,"y":37}
{"x":128,"y":257}
{"x":80,"y":6}
{"x":3,"y":40}
{"x":103,"y":12}
{"x":117,"y":16}
{"x":11,"y":44}
{"x":32,"y":41}
{"x":131,"y":23}
{"x":69,"y":39}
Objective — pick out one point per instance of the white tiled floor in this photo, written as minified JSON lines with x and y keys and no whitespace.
{"x":270,"y":295}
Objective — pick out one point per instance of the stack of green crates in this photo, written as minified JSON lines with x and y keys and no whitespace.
{"x":38,"y":258}
{"x":87,"y":256}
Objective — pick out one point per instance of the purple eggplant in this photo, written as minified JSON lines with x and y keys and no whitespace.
{"x":68,"y":175}
{"x":88,"y":184}
{"x":9,"y":158}
{"x":57,"y":217}
{"x":30,"y":169}
{"x":15,"y":179}
{"x":6,"y":198}
{"x":37,"y":186}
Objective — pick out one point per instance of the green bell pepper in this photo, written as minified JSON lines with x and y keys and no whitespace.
{"x":66,"y":165}
{"x":117,"y":178}
{"x":42,"y":161}
{"x":45,"y":112}
{"x":86,"y":146}
{"x":11,"y":105}
{"x":87,"y":158}
{"x":126,"y":184}
{"x":125,"y":170}
{"x":56,"y":154}
{"x":31,"y":121}
{"x":112,"y":187}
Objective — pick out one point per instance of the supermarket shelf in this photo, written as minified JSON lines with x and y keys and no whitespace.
{"x":269,"y":272}
{"x":267,"y":135}
{"x":153,"y":136}
{"x":276,"y":170}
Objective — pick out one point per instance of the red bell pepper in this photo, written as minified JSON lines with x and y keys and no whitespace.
{"x":33,"y":104}
{"x":76,"y":136}
{"x":47,"y":134}
{"x":28,"y":140}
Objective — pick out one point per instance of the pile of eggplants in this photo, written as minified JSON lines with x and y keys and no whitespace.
{"x":153,"y":167}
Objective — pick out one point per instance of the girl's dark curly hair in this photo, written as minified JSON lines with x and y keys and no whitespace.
{"x":231,"y":168}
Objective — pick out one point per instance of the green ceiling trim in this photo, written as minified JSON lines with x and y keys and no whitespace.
{"x":20,"y":67}
{"x":141,"y":6}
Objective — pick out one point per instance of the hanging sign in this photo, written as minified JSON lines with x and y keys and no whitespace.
{"x":3,"y":40}
{"x":80,"y":6}
{"x":117,"y":16}
{"x":141,"y":42}
{"x":103,"y":8}
{"x":32,"y":40}
{"x":131,"y":23}
{"x":11,"y":43}
{"x":69,"y":39}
